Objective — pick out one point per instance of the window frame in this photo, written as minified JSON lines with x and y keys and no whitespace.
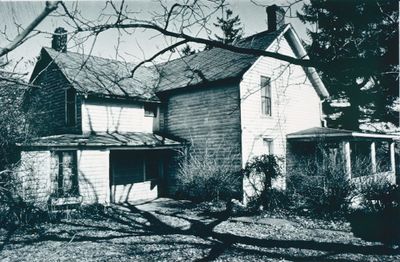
{"x":266,"y":96}
{"x":59,"y":189}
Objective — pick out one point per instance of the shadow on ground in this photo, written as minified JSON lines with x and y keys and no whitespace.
{"x":162,"y":228}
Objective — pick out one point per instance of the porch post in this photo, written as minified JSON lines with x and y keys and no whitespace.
{"x":373,"y":158}
{"x":347,"y":158}
{"x":392,"y":157}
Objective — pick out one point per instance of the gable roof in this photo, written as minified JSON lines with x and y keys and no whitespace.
{"x":213,"y":64}
{"x":100,"y":76}
{"x":103,"y":76}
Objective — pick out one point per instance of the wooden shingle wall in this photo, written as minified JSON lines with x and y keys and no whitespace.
{"x":209,"y":119}
{"x":35,"y":175}
{"x":48,"y":104}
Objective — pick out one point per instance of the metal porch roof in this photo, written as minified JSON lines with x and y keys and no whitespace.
{"x":105,"y":140}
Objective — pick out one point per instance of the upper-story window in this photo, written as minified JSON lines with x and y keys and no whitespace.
{"x":266,"y":96}
{"x":150,"y":110}
{"x":70,"y":107}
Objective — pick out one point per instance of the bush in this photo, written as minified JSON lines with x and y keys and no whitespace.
{"x":260,"y":171}
{"x":320,"y":186}
{"x":202,"y":177}
{"x":379,"y":215}
{"x":14,"y":210}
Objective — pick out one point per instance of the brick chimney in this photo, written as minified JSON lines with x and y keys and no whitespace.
{"x":276,"y":17}
{"x":59,"y":42}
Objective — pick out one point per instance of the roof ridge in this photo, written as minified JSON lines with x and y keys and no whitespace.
{"x":87,"y":55}
{"x":248,"y":38}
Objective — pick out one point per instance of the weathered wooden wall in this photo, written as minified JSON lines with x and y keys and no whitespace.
{"x":48,"y":104}
{"x":209,"y":119}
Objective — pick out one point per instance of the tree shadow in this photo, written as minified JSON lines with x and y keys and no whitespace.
{"x":127,"y":221}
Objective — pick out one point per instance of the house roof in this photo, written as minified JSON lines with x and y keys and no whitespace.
{"x":221,"y":64}
{"x":104,"y":139}
{"x":324,"y":132}
{"x":213,"y":64}
{"x":102,"y":76}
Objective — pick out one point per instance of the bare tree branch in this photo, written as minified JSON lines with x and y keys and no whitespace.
{"x":19,"y":39}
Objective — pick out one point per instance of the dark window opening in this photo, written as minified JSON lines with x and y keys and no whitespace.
{"x":65,"y":175}
{"x":361,"y":164}
{"x":152,"y":168}
{"x":382,"y":153}
{"x":150,"y":110}
{"x":70,"y":107}
{"x":266,"y":96}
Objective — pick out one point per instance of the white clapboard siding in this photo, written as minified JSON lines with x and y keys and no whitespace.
{"x":34,"y":175}
{"x":134,"y":191}
{"x":104,"y":116}
{"x":93,"y":167}
{"x":295,"y":105}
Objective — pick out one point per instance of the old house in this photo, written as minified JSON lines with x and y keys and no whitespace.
{"x":107,"y":137}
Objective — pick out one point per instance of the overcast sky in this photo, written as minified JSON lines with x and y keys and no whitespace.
{"x":132,"y":47}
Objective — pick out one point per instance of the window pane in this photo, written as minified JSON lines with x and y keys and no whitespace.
{"x":268,"y":106}
{"x":265,"y":95}
{"x":65,"y":176}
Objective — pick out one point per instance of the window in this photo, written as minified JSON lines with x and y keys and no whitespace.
{"x":65,"y":176}
{"x":150,"y":110}
{"x":70,"y":107}
{"x":268,"y":146}
{"x":266,"y":96}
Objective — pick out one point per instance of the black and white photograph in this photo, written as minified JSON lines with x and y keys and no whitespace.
{"x":199,"y":130}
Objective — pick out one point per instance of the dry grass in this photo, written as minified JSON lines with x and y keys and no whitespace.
{"x":180,"y":231}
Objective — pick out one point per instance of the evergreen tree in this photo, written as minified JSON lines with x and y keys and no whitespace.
{"x":187,"y":50}
{"x":363,"y":29}
{"x":230,"y":26}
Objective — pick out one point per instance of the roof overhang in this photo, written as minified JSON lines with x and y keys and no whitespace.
{"x":317,"y":134}
{"x":103,"y":140}
{"x":300,"y":52}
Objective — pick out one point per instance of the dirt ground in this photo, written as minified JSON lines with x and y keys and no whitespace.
{"x":170,"y":230}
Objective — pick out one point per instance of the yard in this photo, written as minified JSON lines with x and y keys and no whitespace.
{"x":169,"y":230}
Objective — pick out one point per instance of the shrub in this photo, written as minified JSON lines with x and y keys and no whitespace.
{"x":202,"y":177}
{"x":260,"y":171}
{"x":14,"y":210}
{"x":378,"y":195}
{"x":319,"y":184}
{"x":379,"y":215}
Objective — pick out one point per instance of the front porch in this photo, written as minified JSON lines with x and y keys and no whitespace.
{"x":360,"y":155}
